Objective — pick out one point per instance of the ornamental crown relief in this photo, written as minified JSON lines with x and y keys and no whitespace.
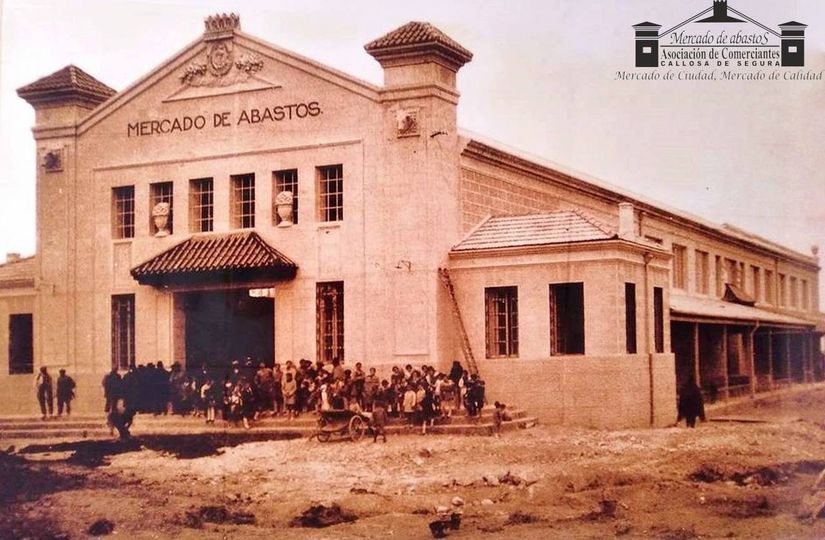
{"x":221,"y":67}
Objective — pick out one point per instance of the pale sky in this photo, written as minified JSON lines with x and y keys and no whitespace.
{"x":542,"y":79}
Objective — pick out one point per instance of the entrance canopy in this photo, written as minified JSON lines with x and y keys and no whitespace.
{"x":216,"y":259}
{"x":710,"y":310}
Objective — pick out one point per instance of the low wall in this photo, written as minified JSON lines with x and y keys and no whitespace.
{"x":20,"y":397}
{"x":588,"y":391}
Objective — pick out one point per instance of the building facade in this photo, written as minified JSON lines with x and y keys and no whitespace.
{"x":241,"y":201}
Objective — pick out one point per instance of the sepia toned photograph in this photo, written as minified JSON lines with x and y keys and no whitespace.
{"x":454,"y":269}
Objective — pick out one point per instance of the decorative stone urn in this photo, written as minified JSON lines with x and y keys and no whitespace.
{"x":283,"y":208}
{"x":160,"y":215}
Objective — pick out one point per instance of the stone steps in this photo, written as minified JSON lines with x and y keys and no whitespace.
{"x":94,"y":427}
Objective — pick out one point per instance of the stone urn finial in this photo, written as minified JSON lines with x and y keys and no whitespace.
{"x":160,"y":215}
{"x":283,"y":208}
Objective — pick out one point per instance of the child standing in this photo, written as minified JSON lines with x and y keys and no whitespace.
{"x":408,"y":404}
{"x":379,"y":420}
{"x":290,"y":390}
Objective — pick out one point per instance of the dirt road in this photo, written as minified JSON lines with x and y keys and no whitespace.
{"x":723,"y":479}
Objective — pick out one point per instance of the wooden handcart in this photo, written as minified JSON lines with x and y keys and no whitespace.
{"x":342,"y":423}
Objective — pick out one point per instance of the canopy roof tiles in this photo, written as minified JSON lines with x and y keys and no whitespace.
{"x":242,"y":256}
{"x":560,"y":227}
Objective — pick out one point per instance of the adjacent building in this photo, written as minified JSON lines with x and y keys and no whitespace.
{"x":241,"y":201}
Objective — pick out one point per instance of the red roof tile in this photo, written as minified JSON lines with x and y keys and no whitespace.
{"x":534,"y":230}
{"x":69,"y":81}
{"x":17,"y":274}
{"x":414,"y":34}
{"x":209,"y":257}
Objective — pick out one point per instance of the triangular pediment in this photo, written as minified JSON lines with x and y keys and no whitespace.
{"x":235,"y":64}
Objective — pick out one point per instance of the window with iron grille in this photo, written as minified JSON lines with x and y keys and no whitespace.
{"x":329,"y":320}
{"x":201,"y":205}
{"x":756,"y":279}
{"x":770,"y":296}
{"x":158,"y":193}
{"x":805,"y":299}
{"x":123,"y":331}
{"x":566,"y":318}
{"x":630,"y":317}
{"x":286,"y":180}
{"x":123,"y":212}
{"x":331,"y":193}
{"x":21,"y":351}
{"x":243,"y":201}
{"x":679,"y":267}
{"x":794,"y":293}
{"x":659,"y":319}
{"x":501,"y":304}
{"x":702,"y":272}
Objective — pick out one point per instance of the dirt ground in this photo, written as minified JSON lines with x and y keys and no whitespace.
{"x":723,"y":479}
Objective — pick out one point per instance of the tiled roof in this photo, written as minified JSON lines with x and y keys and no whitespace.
{"x":480,"y":145}
{"x":713,"y":308}
{"x":17,"y":274}
{"x":209,"y":255}
{"x":414,"y":34}
{"x":534,"y":230}
{"x":67,"y":81}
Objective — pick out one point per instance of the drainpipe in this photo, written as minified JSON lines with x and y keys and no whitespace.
{"x":648,"y":257}
{"x":752,"y":354}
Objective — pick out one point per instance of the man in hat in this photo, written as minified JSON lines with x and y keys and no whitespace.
{"x":65,"y":393}
{"x":45,"y":392}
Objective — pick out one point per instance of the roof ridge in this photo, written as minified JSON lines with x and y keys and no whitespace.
{"x":593,"y":221}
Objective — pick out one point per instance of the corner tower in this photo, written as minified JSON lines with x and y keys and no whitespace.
{"x":421,"y":176}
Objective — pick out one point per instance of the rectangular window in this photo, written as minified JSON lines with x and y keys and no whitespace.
{"x":720,"y":278}
{"x":679,"y":267}
{"x":123,"y":212}
{"x":732,"y":272}
{"x":770,"y":297}
{"x":794,"y":293}
{"x":756,"y":280}
{"x":331,"y":193}
{"x":659,"y":319}
{"x":783,"y":291}
{"x":702,"y":272}
{"x":242,"y":211}
{"x":501,"y":304}
{"x":123,"y":331}
{"x":630,"y":317}
{"x":286,"y":181}
{"x":567,"y":318}
{"x":805,"y":300}
{"x":329,"y":320}
{"x":201,"y":205}
{"x":160,"y":192}
{"x":21,"y":350}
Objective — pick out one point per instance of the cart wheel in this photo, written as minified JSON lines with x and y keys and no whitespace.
{"x":357,"y":427}
{"x":323,"y":436}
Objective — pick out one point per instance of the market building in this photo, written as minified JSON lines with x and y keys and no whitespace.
{"x":241,"y":201}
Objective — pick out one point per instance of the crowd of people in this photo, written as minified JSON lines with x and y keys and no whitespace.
{"x":246,"y":391}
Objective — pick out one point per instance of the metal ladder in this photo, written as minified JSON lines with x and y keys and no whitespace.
{"x":444,"y":274}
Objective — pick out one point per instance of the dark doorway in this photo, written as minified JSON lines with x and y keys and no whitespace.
{"x":222,"y":326}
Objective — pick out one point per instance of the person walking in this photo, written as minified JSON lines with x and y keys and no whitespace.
{"x":65,"y":393}
{"x":111,"y":389}
{"x":45,"y":392}
{"x":691,"y":404}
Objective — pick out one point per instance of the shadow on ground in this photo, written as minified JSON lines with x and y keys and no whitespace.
{"x":188,"y":446}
